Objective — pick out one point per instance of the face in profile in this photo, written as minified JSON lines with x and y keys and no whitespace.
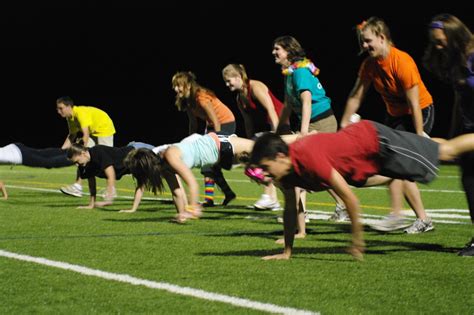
{"x":234,"y":82}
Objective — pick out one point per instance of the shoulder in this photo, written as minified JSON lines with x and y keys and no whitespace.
{"x":401,"y":55}
{"x":257,"y":86}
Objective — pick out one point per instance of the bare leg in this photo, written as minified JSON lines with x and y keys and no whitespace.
{"x":336,"y":198}
{"x":301,"y":224}
{"x":413,"y":197}
{"x":396,"y":196}
{"x":271,"y":191}
{"x":4,"y":190}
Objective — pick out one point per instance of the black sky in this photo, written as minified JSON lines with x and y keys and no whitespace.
{"x":122,"y":59}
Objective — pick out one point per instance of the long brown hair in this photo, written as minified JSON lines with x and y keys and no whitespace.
{"x":187,"y":79}
{"x":146,"y":168}
{"x":448,"y":64}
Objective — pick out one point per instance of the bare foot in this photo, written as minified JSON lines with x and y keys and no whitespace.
{"x":282,"y":240}
{"x":127,"y":211}
{"x":276,"y":257}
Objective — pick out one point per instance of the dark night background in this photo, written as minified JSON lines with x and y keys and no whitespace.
{"x":121,"y":59}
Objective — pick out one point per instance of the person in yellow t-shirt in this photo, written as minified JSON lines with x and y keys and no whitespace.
{"x":87,"y":124}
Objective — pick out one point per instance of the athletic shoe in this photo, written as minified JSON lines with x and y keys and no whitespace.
{"x":420,"y":226}
{"x":228,"y":198}
{"x":266,"y":203}
{"x":468,"y":251}
{"x":390,"y":223}
{"x":340,"y":214}
{"x":102,"y":193}
{"x":208,"y":203}
{"x":72,"y":190}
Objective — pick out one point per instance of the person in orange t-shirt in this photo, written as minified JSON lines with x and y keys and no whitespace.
{"x":409,"y":105}
{"x":200,"y":102}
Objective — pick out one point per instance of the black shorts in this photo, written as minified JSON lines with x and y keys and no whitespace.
{"x":226,"y":154}
{"x":405,"y":122}
{"x":405,"y":155}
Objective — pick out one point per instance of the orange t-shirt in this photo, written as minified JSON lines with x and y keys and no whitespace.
{"x":223,"y":113}
{"x":391,"y":77}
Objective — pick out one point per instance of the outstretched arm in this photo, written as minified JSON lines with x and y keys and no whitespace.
{"x":136,"y":200}
{"x":353,"y":102}
{"x":413,"y":100}
{"x":260,"y":92}
{"x":173,"y":157}
{"x":289,"y":224}
{"x":343,"y":190}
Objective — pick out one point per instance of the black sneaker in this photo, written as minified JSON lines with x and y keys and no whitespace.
{"x":228,"y":198}
{"x":208,"y":203}
{"x":468,"y":251}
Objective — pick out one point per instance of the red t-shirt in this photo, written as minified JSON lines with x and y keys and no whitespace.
{"x":352,"y":151}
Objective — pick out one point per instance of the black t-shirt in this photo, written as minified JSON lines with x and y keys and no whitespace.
{"x":102,"y":157}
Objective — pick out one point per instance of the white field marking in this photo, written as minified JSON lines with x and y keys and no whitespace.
{"x":323,"y":215}
{"x":85,"y":193}
{"x":197,"y":293}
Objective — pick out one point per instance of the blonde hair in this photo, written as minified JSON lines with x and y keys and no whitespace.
{"x":237,"y":70}
{"x":377,"y":26}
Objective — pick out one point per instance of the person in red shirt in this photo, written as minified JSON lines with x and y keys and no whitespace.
{"x":362,"y":154}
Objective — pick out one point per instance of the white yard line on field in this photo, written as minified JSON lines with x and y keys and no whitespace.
{"x":197,"y":293}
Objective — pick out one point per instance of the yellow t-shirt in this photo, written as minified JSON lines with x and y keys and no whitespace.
{"x":98,"y":122}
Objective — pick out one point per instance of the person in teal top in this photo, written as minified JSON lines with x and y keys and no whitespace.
{"x":305,"y":95}
{"x":300,"y":80}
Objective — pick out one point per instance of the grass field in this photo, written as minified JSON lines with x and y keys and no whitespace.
{"x":55,"y":258}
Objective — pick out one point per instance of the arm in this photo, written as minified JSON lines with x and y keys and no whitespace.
{"x":306,"y":112}
{"x":85,"y":135}
{"x":173,"y":157}
{"x":413,"y":100}
{"x":136,"y":200}
{"x":192,"y":122}
{"x":248,"y":122}
{"x":260,"y":92}
{"x":355,"y":99}
{"x":343,"y":190}
{"x":212,"y":116}
{"x":285,"y":114}
{"x":289,"y":224}
{"x":92,"y":192}
{"x":110,"y":190}
{"x":67,"y":142}
{"x":177,"y":190}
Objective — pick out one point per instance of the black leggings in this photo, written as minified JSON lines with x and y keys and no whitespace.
{"x":467,"y":168}
{"x":48,"y":158}
{"x":215,"y":171}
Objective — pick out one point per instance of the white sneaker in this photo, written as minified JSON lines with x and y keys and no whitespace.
{"x":72,"y":190}
{"x":266,"y":203}
{"x":340,"y":214}
{"x":420,"y":226}
{"x":103,"y":193}
{"x":390,"y":223}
